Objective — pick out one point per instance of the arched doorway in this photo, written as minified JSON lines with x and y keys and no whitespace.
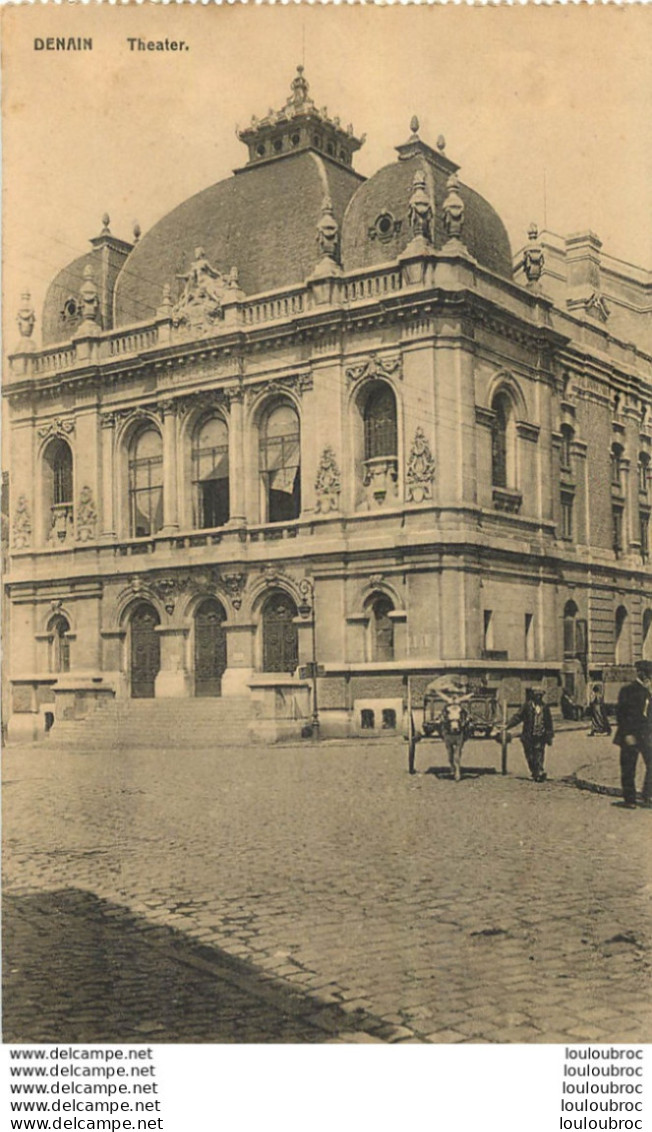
{"x":210,"y":648}
{"x":280,"y":638}
{"x":145,"y":651}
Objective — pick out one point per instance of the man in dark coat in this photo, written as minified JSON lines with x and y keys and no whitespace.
{"x":634,"y":733}
{"x":537,"y":732}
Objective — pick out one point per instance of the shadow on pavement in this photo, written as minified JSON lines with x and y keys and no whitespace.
{"x":467,"y":771}
{"x":80,"y":969}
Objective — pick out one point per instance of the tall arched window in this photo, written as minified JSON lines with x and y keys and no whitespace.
{"x":380,"y":443}
{"x":58,"y":490}
{"x":210,"y":473}
{"x":280,"y":637}
{"x":616,"y":467}
{"x":146,"y":483}
{"x":503,"y":442}
{"x":622,"y":637}
{"x":280,"y":464}
{"x":570,"y":629}
{"x":381,"y":628}
{"x":59,"y":645}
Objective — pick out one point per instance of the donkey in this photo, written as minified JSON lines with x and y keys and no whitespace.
{"x":455,"y":721}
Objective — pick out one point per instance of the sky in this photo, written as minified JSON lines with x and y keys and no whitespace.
{"x":545,"y":109}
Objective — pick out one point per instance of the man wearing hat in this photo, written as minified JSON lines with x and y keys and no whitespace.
{"x":537,"y":733}
{"x":634,"y":733}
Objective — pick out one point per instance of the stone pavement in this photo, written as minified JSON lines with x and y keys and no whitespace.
{"x":319,"y":893}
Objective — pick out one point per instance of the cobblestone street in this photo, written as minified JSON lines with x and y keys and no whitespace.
{"x":320,"y":893}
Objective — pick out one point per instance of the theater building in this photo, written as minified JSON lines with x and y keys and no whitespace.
{"x":316,"y":432}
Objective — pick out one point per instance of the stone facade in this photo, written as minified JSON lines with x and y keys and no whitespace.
{"x":406,"y":461}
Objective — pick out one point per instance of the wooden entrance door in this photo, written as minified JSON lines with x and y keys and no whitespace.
{"x":210,"y":648}
{"x":280,"y":642}
{"x":145,"y":652}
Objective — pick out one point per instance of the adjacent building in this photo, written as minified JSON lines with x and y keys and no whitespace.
{"x":312,"y":434}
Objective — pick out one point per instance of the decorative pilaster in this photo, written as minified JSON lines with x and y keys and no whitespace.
{"x":107,"y":525}
{"x":170,"y":498}
{"x":236,"y":459}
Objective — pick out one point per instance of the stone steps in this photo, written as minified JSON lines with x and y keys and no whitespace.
{"x":159,"y":723}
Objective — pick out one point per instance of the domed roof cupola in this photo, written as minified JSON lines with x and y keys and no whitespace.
{"x":299,"y":125}
{"x":380,"y":218}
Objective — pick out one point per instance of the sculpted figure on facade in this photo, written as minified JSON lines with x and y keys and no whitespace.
{"x":86,"y":516}
{"x":328,"y":483}
{"x":420,"y":208}
{"x":89,"y":297}
{"x":420,"y":469}
{"x":200,"y":305}
{"x":26,"y":320}
{"x":453,"y":209}
{"x":22,"y":524}
{"x":328,"y":233}
{"x":533,"y":257}
{"x":375,"y":367}
{"x":58,"y":427}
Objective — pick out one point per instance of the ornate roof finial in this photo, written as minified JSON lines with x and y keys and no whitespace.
{"x":533,"y":257}
{"x":137,"y":231}
{"x":441,"y":143}
{"x":106,"y":220}
{"x":453,"y":209}
{"x":414,"y":126}
{"x":420,"y":207}
{"x":26,"y":317}
{"x":328,"y":232}
{"x":89,"y":296}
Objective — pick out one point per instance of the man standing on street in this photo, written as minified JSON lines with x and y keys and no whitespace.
{"x":634,"y":733}
{"x":537,"y":732}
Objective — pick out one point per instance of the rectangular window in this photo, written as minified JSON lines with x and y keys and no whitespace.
{"x":617,"y":521}
{"x":529,"y":636}
{"x":645,"y":535}
{"x":566,"y":516}
{"x":488,"y":637}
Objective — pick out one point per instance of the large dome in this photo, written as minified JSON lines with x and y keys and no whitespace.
{"x":263,"y":221}
{"x":376,"y":227}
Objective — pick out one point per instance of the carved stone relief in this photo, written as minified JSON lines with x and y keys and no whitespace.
{"x":327,"y":483}
{"x":420,"y":469}
{"x":86,"y":516}
{"x":22,"y":530}
{"x":375,"y":367}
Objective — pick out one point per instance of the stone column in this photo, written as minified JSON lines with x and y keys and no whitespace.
{"x":107,"y":522}
{"x":236,"y":460}
{"x":170,"y":497}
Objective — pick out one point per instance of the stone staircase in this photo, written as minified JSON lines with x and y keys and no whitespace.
{"x":172,"y":723}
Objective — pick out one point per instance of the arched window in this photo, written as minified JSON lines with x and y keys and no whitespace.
{"x":503,"y":442}
{"x":646,"y":644}
{"x":146,"y":483}
{"x":280,"y":637}
{"x":570,"y":629}
{"x":210,"y":473}
{"x":59,"y":645}
{"x":58,"y":490}
{"x":622,"y":635}
{"x":380,"y":431}
{"x":380,"y":451}
{"x":381,"y":628}
{"x":280,"y":464}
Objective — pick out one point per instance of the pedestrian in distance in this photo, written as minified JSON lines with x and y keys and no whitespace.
{"x":537,"y":733}
{"x":634,"y":733}
{"x":600,"y":724}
